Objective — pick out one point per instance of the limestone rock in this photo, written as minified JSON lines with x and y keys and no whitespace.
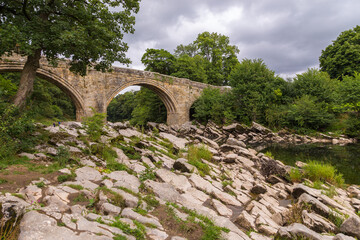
{"x":180,"y":182}
{"x":87,"y":173}
{"x":110,"y":209}
{"x":178,"y":143}
{"x":317,"y":223}
{"x":164,"y":191}
{"x":123,"y":179}
{"x":258,"y":189}
{"x":296,"y":230}
{"x":182,"y":165}
{"x":129,"y":213}
{"x":351,"y":226}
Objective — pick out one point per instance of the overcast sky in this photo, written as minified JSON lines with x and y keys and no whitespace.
{"x":287,"y":34}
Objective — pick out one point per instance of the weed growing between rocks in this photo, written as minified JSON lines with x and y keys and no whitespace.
{"x":94,"y":125}
{"x":66,"y":177}
{"x":138,"y":232}
{"x":195,"y":156}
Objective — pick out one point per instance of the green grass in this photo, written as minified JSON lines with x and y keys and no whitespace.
{"x":210,"y":230}
{"x":2,"y":181}
{"x":40,"y":184}
{"x":147,"y":174}
{"x":114,"y":197}
{"x":138,"y":232}
{"x":295,"y":175}
{"x":80,"y":198}
{"x":66,"y":177}
{"x":317,"y":171}
{"x":195,"y":156}
{"x":75,"y":186}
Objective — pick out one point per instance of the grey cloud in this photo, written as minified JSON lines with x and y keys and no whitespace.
{"x":288,"y":35}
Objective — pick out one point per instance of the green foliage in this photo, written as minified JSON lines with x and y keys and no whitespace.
{"x":40,"y":184}
{"x":254,"y":88}
{"x":158,"y":60}
{"x":316,"y":171}
{"x":138,"y":232}
{"x":88,"y":34}
{"x":94,"y":125}
{"x":210,"y":59}
{"x":341,"y":58}
{"x":75,"y":186}
{"x":66,"y":177}
{"x":214,"y":105}
{"x":195,"y":156}
{"x":295,"y":175}
{"x":16,"y":131}
{"x":121,"y":107}
{"x":62,"y":156}
{"x":147,"y":174}
{"x":315,"y":83}
{"x":149,"y":108}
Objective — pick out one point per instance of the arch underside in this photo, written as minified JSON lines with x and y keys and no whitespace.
{"x":164,"y":94}
{"x":57,"y":81}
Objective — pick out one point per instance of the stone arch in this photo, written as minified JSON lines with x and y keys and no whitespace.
{"x":61,"y":83}
{"x":165,"y":96}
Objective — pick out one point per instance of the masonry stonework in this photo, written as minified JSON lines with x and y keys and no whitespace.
{"x":97,"y":89}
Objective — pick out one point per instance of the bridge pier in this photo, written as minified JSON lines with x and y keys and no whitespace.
{"x":177,"y":118}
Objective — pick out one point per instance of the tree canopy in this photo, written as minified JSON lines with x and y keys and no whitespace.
{"x":209,"y":58}
{"x":342,"y":57}
{"x":87,"y":32}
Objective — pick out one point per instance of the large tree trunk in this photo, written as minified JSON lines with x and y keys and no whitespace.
{"x":27,"y":78}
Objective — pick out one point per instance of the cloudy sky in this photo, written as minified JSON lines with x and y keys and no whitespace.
{"x":287,"y":34}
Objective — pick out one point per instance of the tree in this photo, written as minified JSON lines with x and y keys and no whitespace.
{"x":315,"y":83}
{"x":87,"y":32}
{"x":149,"y":108}
{"x":209,"y":59}
{"x":220,"y":56}
{"x":158,"y":60}
{"x":255,"y":88}
{"x":121,"y":107}
{"x":342,"y":57}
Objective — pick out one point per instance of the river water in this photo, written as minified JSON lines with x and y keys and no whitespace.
{"x":346,"y":158}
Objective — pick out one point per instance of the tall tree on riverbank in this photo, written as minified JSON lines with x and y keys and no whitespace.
{"x":87,"y":32}
{"x":342,"y":57}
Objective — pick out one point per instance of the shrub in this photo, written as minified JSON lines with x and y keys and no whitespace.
{"x":295,"y":175}
{"x":94,"y":125}
{"x":62,"y":156}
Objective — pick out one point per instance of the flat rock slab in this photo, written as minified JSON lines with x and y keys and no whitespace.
{"x":126,"y":180}
{"x":36,"y":226}
{"x":164,"y":191}
{"x":177,"y":142}
{"x":88,"y":173}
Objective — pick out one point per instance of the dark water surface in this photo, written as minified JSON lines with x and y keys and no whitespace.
{"x":346,"y":159}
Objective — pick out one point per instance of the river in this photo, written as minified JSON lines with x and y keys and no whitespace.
{"x":346,"y":158}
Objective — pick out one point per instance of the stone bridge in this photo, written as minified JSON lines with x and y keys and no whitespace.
{"x":97,"y":89}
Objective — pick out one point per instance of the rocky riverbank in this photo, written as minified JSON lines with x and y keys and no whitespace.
{"x":151,"y":190}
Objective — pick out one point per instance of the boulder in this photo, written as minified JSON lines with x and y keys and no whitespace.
{"x":182,"y":165}
{"x":297,"y":230}
{"x":258,"y":189}
{"x":351,"y":226}
{"x":317,"y":223}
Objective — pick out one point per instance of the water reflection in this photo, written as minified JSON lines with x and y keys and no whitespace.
{"x":345,"y":158}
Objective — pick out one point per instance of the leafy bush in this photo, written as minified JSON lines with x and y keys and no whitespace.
{"x":62,"y":156}
{"x":94,"y":125}
{"x":214,"y":105}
